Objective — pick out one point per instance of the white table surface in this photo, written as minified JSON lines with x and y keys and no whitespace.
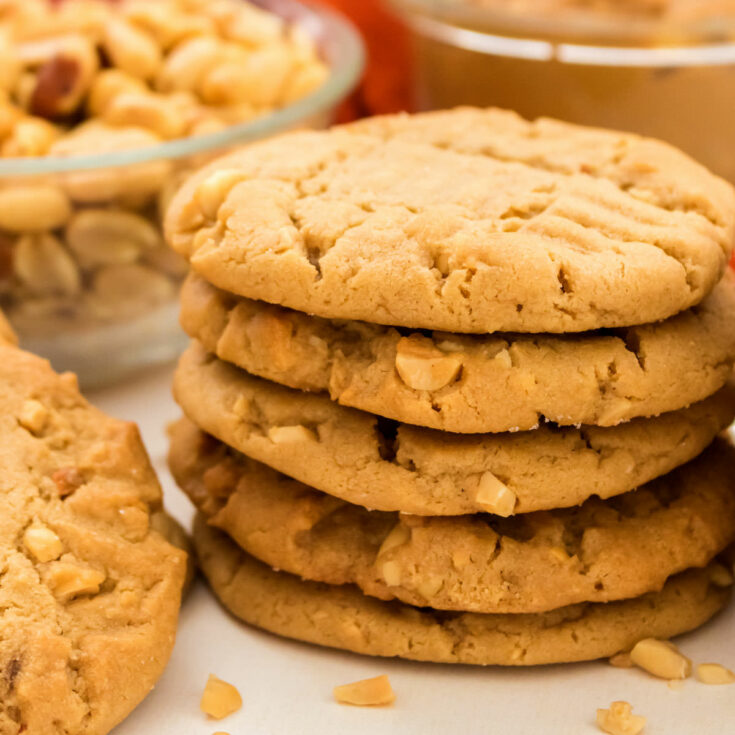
{"x":286,"y":686}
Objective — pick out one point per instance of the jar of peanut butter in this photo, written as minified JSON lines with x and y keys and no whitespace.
{"x":664,"y":68}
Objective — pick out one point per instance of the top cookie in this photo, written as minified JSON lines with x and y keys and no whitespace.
{"x":89,"y":590}
{"x":466,"y":220}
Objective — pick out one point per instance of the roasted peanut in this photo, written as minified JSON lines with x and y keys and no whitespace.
{"x":150,"y":111}
{"x":43,"y":266}
{"x":28,"y":208}
{"x":30,"y":136}
{"x":140,"y":181}
{"x":189,"y":63}
{"x":107,"y":85}
{"x":131,"y":49}
{"x":112,"y":287}
{"x":110,"y":237}
{"x":168,"y":25}
{"x":251,"y":26}
{"x":65,"y":69}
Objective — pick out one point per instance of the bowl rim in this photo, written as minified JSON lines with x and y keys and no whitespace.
{"x":346,"y":60}
{"x":640,"y":34}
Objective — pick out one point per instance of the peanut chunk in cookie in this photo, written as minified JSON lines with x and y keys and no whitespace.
{"x":43,"y":543}
{"x":213,"y":191}
{"x":391,"y":573}
{"x":422,"y":367}
{"x":398,"y":536}
{"x":375,"y":692}
{"x":661,"y":658}
{"x":493,"y":496}
{"x":67,"y":480}
{"x":714,"y":674}
{"x":290,"y":434}
{"x":620,"y":720}
{"x":219,"y":698}
{"x":68,"y":580}
{"x":33,"y":416}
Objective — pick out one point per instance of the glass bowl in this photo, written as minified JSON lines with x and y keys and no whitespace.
{"x":112,"y":307}
{"x":664,"y":78}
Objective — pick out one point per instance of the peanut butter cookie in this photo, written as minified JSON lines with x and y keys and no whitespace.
{"x":453,"y":382}
{"x":598,"y":552}
{"x":464,"y":221}
{"x":89,"y":591}
{"x":389,"y":466}
{"x":341,"y":617}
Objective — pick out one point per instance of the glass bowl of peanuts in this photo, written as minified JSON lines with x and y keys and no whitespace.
{"x":104,"y":109}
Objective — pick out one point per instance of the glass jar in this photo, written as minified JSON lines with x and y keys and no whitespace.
{"x":85,"y":277}
{"x":664,"y":78}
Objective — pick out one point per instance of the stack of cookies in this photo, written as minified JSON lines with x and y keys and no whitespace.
{"x":455,"y":387}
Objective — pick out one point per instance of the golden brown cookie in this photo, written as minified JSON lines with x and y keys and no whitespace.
{"x":519,"y":226}
{"x":89,"y":591}
{"x":453,"y":382}
{"x":598,"y":552}
{"x":387,"y":466}
{"x":341,"y":617}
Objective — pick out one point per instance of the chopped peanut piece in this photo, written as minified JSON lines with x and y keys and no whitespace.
{"x":714,"y":674}
{"x":213,"y":191}
{"x":661,"y":658}
{"x":68,"y":580}
{"x":427,"y":588}
{"x":43,"y":543}
{"x":398,"y":536}
{"x":620,"y":720}
{"x":504,"y":359}
{"x":376,"y":692}
{"x":290,"y":434}
{"x":495,"y":497}
{"x":219,"y":699}
{"x":425,"y":368}
{"x":33,"y":416}
{"x":392,"y":573}
{"x":448,"y":345}
{"x":67,"y":480}
{"x":621,"y":660}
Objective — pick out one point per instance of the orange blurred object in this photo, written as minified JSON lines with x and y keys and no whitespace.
{"x":386,"y":85}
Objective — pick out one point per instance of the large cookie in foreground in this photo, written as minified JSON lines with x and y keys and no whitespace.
{"x":341,"y":617}
{"x":463,"y":221}
{"x":470,"y":384}
{"x":598,"y":552}
{"x":89,"y":591}
{"x":387,"y":466}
